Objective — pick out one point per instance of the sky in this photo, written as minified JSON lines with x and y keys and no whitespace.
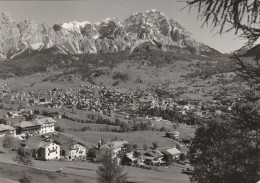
{"x":57,"y":11}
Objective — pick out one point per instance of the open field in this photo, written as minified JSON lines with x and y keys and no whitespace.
{"x":80,"y":172}
{"x":14,"y":172}
{"x":69,"y":125}
{"x":140,"y":138}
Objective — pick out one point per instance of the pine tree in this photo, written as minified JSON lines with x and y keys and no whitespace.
{"x":239,"y":15}
{"x":110,"y":171}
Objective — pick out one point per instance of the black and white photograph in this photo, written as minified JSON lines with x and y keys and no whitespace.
{"x":129,"y":91}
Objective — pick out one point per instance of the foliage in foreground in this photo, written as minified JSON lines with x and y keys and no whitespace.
{"x":26,"y":178}
{"x":110,"y":171}
{"x":24,"y":156}
{"x":10,"y":142}
{"x":227,"y":150}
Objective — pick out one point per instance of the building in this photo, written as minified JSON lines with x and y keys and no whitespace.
{"x":47,"y":125}
{"x":14,"y":114}
{"x":29,"y":128}
{"x":70,"y":148}
{"x":173,"y":152}
{"x":130,"y":159}
{"x":152,"y":157}
{"x":115,"y":146}
{"x":173,"y":135}
{"x":7,"y":130}
{"x":48,"y":150}
{"x":43,"y":148}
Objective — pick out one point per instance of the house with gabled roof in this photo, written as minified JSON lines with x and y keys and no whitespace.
{"x":152,"y":156}
{"x":27,"y":128}
{"x":70,"y":148}
{"x":47,"y":125}
{"x":173,"y":152}
{"x":43,"y":148}
{"x":115,"y":146}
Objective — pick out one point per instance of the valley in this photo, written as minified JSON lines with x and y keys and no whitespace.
{"x":133,"y":94}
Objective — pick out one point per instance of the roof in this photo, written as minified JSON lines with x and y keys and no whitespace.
{"x":33,"y":142}
{"x":5,"y":127}
{"x":25,"y":124}
{"x":36,"y":142}
{"x":43,"y":121}
{"x":154,"y":153}
{"x":175,"y":133}
{"x":130,"y":156}
{"x":173,"y":151}
{"x":66,"y":141}
{"x":118,"y":144}
{"x":45,"y":144}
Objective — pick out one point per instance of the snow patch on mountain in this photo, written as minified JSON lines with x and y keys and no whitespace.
{"x":75,"y":25}
{"x":148,"y":30}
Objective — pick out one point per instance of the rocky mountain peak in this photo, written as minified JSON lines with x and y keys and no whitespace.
{"x":141,"y":30}
{"x":6,"y":18}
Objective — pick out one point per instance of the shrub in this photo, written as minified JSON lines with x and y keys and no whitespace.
{"x":155,"y":145}
{"x":3,"y":121}
{"x":26,"y":178}
{"x":59,"y":129}
{"x":10,"y":142}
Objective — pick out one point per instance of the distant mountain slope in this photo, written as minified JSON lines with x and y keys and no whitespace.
{"x":150,"y":30}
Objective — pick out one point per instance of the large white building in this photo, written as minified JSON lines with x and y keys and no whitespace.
{"x":37,"y":127}
{"x":43,"y":148}
{"x":70,"y":147}
{"x":48,"y":150}
{"x":76,"y":150}
{"x":47,"y":125}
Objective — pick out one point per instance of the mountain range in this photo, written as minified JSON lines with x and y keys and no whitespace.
{"x":149,"y":30}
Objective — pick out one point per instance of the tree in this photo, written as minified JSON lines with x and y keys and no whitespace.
{"x":31,"y":117}
{"x":100,"y":120}
{"x":227,"y":150}
{"x":3,"y":121}
{"x":124,"y":127}
{"x":240,"y":15}
{"x":26,"y":178}
{"x":182,"y":157}
{"x":169,"y":161}
{"x":178,"y":146}
{"x":114,"y":139}
{"x":221,"y":152}
{"x":10,"y":142}
{"x":129,"y":147}
{"x":59,"y":129}
{"x":102,"y":141}
{"x":110,"y":171}
{"x":145,"y":147}
{"x":24,"y":156}
{"x":136,"y":154}
{"x":117,"y":122}
{"x":155,"y":145}
{"x":135,"y":146}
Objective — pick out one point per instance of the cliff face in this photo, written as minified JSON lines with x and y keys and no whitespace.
{"x":141,"y":31}
{"x":9,"y":36}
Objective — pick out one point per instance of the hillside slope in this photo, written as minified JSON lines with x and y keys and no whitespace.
{"x":164,"y":72}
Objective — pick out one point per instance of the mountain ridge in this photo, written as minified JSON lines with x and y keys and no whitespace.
{"x":141,"y":31}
